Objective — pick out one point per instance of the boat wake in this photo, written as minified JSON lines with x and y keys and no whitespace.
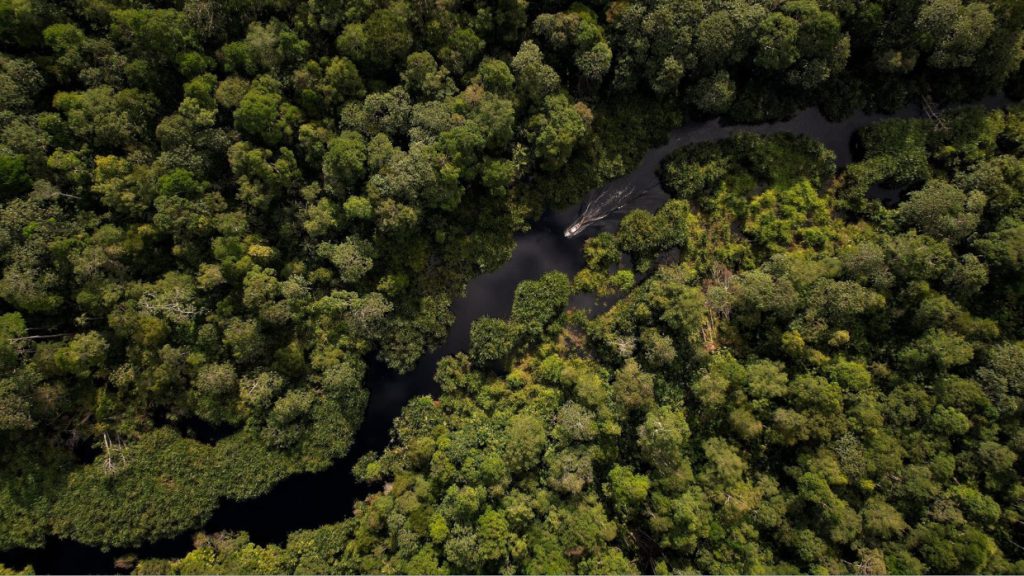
{"x":603,"y":205}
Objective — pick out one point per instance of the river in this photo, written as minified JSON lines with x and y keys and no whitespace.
{"x":313,"y":499}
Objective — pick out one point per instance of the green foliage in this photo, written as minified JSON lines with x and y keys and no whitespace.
{"x":490,"y":339}
{"x":213,"y":214}
{"x":162,"y":469}
{"x":345,"y":162}
{"x":14,"y":180}
{"x":942,"y":210}
{"x":828,"y":406}
{"x":537,"y":302}
{"x":206,"y":220}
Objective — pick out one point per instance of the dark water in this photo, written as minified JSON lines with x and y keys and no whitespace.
{"x":314,"y":499}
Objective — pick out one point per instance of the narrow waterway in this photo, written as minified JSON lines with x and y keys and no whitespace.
{"x":313,"y":499}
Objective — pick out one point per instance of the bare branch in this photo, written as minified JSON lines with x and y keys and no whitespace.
{"x":41,"y":337}
{"x":176,"y":306}
{"x":932,"y":113}
{"x":115,"y":454}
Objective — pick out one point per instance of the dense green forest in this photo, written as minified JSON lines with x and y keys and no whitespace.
{"x":783,"y":390}
{"x":215,"y":214}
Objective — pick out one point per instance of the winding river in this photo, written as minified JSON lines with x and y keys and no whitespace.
{"x":313,"y":499}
